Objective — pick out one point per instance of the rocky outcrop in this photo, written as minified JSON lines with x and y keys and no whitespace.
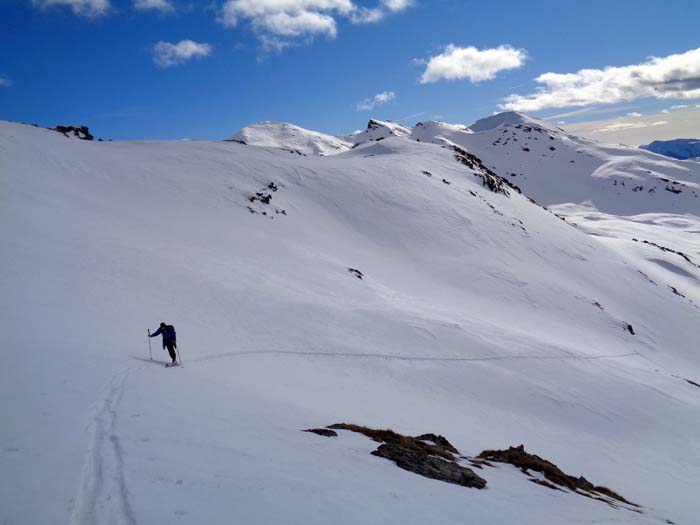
{"x":428,"y":466}
{"x":428,"y":455}
{"x":264,"y":198}
{"x":439,"y":441}
{"x":378,"y":130}
{"x":357,"y":273}
{"x":325,"y":432}
{"x":555,"y":477}
{"x":489,"y":179}
{"x":82,"y":132}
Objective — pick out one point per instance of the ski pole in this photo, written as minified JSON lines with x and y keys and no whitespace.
{"x":178,"y":355}
{"x":149,"y":344}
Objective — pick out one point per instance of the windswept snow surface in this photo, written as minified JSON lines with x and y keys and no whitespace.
{"x":481,"y":316}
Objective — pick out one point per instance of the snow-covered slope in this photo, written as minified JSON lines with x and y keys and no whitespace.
{"x":678,"y":148}
{"x":290,"y":137}
{"x":645,"y":207}
{"x":480,"y":316}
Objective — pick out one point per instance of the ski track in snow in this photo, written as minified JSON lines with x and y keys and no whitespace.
{"x":103,"y":496}
{"x":408,"y":358}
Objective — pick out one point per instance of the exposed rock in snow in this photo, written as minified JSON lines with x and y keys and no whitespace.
{"x":526,"y":462}
{"x":325,"y":432}
{"x":678,"y":148}
{"x":288,"y":136}
{"x":356,"y":273}
{"x":489,"y":179}
{"x":427,"y":455}
{"x":379,"y":130}
{"x":81,"y":132}
{"x":430,"y":466}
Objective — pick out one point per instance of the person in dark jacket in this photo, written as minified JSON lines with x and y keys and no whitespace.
{"x":169,"y":339}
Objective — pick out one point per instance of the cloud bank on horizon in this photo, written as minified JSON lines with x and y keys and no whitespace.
{"x":633,"y":129}
{"x":672,"y":77}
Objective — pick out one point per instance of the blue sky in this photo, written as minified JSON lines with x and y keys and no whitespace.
{"x":311,"y":62}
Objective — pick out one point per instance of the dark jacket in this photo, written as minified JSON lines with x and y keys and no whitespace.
{"x":169,"y":336}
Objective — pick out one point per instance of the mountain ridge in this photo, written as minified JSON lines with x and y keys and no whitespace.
{"x":681,"y":149}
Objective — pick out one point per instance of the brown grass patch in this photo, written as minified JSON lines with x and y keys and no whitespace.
{"x":408,"y":442}
{"x":525,"y":461}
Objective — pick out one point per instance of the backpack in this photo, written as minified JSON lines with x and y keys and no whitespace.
{"x":170,"y":332}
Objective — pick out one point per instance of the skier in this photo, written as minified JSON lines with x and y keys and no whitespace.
{"x":169,"y":339}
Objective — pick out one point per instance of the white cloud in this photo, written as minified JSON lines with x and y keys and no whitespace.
{"x":89,"y":8}
{"x":281,"y":23}
{"x":476,"y":65}
{"x":397,"y":5}
{"x":166,"y":54}
{"x":634,"y":114}
{"x":278,"y":21}
{"x":365,"y":15}
{"x":369,"y":104}
{"x":164,"y":6}
{"x":672,"y":77}
{"x":4,"y":82}
{"x":617,"y":126}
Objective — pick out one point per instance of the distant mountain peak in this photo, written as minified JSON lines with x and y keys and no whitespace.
{"x":388,"y":127}
{"x":681,"y":149}
{"x":512,"y":118}
{"x":284,"y":135}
